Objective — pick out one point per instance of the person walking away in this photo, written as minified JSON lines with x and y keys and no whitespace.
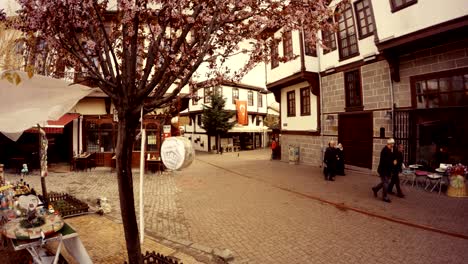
{"x":397,"y":169}
{"x":386,"y":164}
{"x":340,"y":161}
{"x":330,"y":160}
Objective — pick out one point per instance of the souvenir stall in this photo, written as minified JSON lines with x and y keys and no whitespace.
{"x":26,"y":220}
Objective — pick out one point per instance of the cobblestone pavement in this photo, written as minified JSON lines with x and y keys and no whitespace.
{"x":270,"y":212}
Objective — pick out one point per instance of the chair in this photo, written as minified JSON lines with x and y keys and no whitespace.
{"x":435,"y":180}
{"x":92,"y":161}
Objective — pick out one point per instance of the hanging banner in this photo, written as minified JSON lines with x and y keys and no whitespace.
{"x":242,"y":117}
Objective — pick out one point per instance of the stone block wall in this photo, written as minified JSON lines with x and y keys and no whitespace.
{"x":440,"y":58}
{"x":375,"y":79}
{"x":310,"y":148}
{"x":333,"y":93}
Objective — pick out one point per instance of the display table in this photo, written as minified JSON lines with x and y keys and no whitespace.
{"x":67,"y":237}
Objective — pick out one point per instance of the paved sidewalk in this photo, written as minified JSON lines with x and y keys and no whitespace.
{"x":273,"y":212}
{"x":353,"y":190}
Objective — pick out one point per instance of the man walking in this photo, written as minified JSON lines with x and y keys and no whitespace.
{"x":330,"y":159}
{"x":396,"y":171}
{"x":386,"y":164}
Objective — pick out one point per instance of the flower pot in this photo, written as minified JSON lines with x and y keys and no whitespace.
{"x":457,"y":186}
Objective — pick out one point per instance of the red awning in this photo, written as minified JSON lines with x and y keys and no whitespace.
{"x":56,"y":126}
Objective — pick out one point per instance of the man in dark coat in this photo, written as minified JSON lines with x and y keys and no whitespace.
{"x":330,"y":159}
{"x":386,"y":165}
{"x":396,"y":171}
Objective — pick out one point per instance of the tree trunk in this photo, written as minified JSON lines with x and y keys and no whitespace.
{"x":125,"y":139}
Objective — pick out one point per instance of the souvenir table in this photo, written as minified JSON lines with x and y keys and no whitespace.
{"x":29,"y":227}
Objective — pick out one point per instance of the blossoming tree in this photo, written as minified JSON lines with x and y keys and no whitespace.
{"x":141,"y":53}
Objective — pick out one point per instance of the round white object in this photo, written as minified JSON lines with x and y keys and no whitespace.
{"x":177,"y":153}
{"x":28,"y":202}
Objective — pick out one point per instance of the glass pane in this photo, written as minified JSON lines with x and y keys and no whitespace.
{"x":344,"y":43}
{"x":92,"y":141}
{"x":359,"y":6}
{"x":457,"y":83}
{"x":106,"y":141}
{"x":466,"y":81}
{"x":432,"y":101}
{"x":444,"y":99}
{"x":365,"y":3}
{"x":354,"y":49}
{"x":432,"y":85}
{"x":349,"y":22}
{"x":397,"y":2}
{"x":152,"y":141}
{"x":371,"y":27}
{"x":444,"y":84}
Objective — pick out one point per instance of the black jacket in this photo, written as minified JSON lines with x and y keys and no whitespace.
{"x":330,"y":157}
{"x":386,"y":162}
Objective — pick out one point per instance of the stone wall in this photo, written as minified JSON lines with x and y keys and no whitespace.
{"x":375,"y":79}
{"x":310,"y":148}
{"x":333,"y":93}
{"x":440,"y":58}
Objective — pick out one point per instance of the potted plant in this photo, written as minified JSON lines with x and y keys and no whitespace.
{"x":457,"y":182}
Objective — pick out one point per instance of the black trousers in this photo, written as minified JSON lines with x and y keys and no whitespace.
{"x":395,"y":180}
{"x":382,"y":185}
{"x":331,"y":172}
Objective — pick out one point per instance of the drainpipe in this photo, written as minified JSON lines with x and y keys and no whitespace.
{"x":322,"y":128}
{"x":392,"y":101}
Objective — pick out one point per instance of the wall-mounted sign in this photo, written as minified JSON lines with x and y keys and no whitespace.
{"x":115,"y":115}
{"x":167,"y":131}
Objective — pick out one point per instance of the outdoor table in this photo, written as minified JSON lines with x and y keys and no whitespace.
{"x":82,"y":161}
{"x":67,"y":237}
{"x":435,"y":179}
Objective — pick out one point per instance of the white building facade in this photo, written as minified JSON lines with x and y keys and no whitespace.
{"x":390,"y":70}
{"x":241,"y":137}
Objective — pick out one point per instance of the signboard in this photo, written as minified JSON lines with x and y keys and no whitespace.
{"x":167,"y":131}
{"x":177,"y":153}
{"x":242,"y":116}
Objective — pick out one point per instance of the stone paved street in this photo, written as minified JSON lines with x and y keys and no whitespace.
{"x":273,"y":212}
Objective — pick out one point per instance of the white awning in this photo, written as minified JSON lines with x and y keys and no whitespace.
{"x":35,"y":101}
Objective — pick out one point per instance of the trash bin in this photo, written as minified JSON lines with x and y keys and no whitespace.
{"x":293,"y":154}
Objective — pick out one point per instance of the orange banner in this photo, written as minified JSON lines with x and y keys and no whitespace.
{"x":242,"y":116}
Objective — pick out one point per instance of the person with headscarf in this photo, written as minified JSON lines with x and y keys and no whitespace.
{"x":340,"y":162}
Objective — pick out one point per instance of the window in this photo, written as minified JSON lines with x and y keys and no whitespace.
{"x":291,"y":97}
{"x":274,"y":55}
{"x":259,"y":99}
{"x":309,"y":47}
{"x":353,"y":90}
{"x":442,"y":89}
{"x":287,"y":45}
{"x":195,"y":99}
{"x":364,"y":18}
{"x":328,"y":39}
{"x":400,"y":4}
{"x":347,"y":41}
{"x":219,"y":91}
{"x":199,"y":121}
{"x":152,"y":137}
{"x":207,"y":95}
{"x":250,"y":98}
{"x":305,"y":101}
{"x":100,"y":137}
{"x":235,"y":95}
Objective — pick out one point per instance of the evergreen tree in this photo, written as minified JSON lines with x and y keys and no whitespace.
{"x":215,"y":120}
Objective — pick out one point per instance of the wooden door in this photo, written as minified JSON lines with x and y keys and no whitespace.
{"x":355,"y":133}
